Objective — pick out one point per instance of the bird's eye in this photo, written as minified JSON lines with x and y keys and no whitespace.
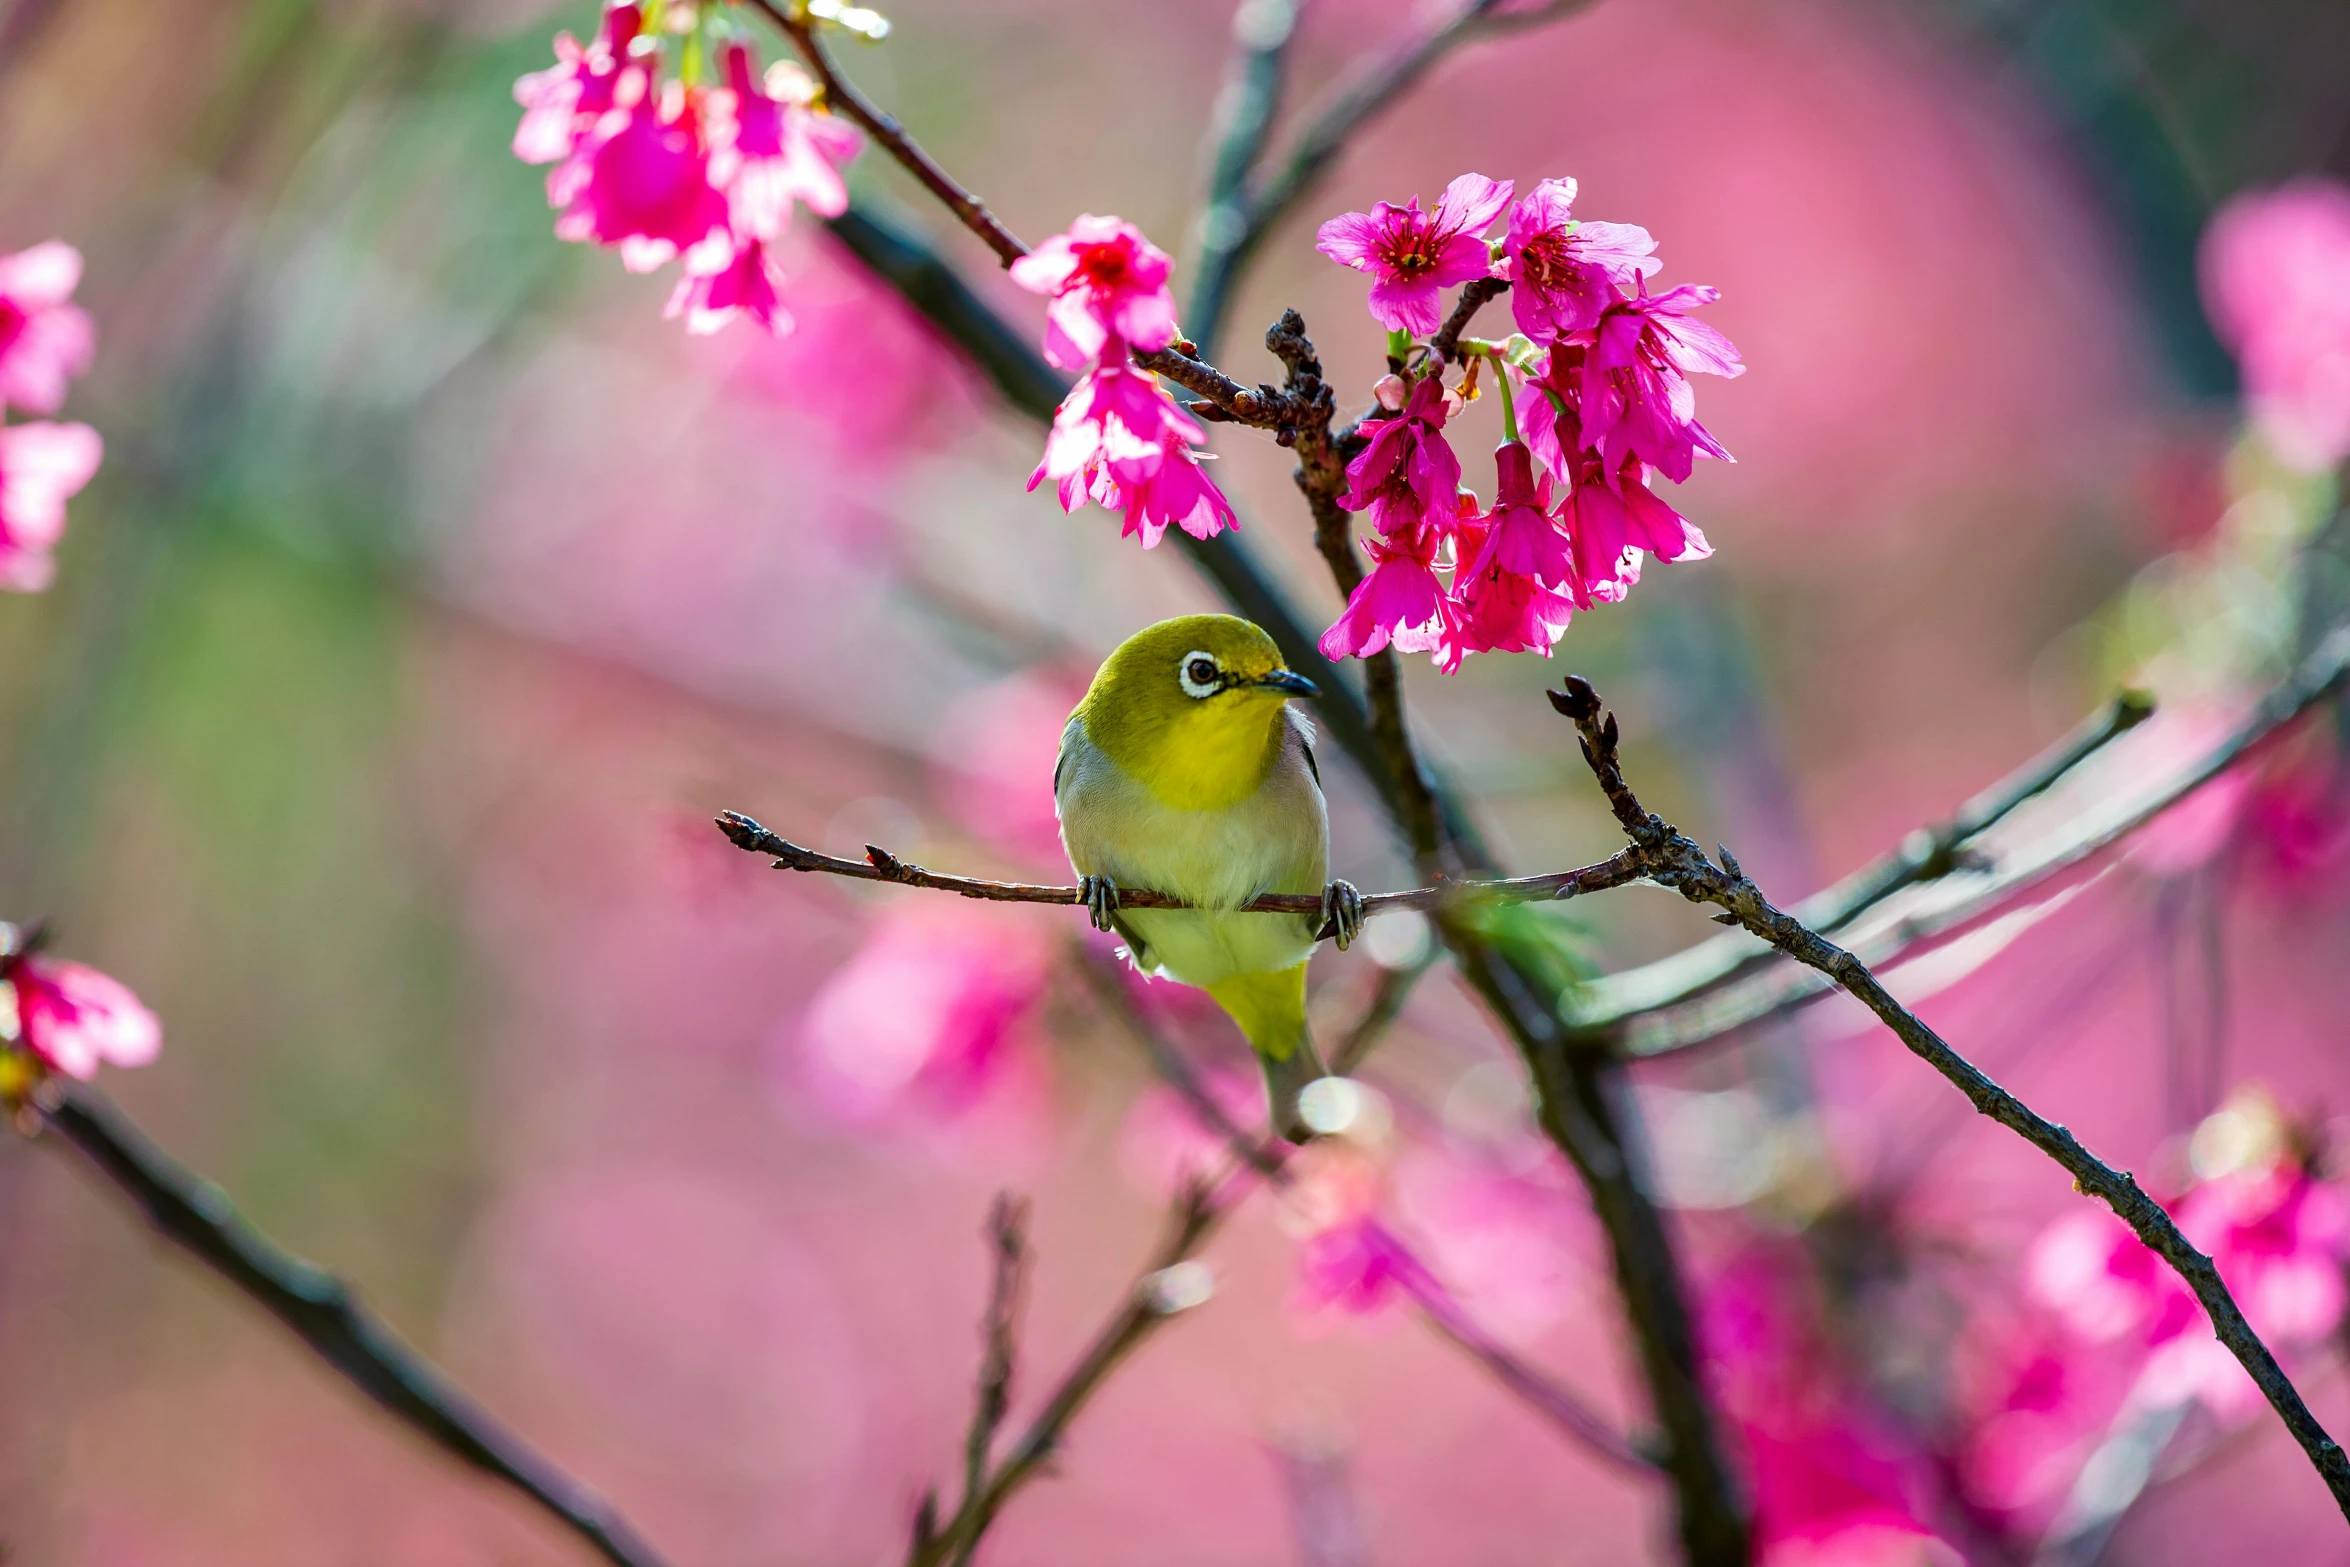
{"x":1200,"y":675}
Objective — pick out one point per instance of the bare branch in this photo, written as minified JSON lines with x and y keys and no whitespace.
{"x":1900,"y":925}
{"x":1379,"y":1014}
{"x":792,"y":18}
{"x":195,"y":1215}
{"x":1677,"y":862}
{"x":1007,"y":1235}
{"x":1927,"y":854}
{"x":1372,"y":91}
{"x":1148,"y":1305}
{"x":881,"y":865}
{"x":1446,"y":344}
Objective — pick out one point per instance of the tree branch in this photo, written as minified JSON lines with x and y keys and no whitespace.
{"x":1928,"y":911}
{"x":881,"y":865}
{"x":195,"y":1215}
{"x":792,"y":18}
{"x":1927,"y":854}
{"x":1675,"y":861}
{"x":1148,"y":1304}
{"x":1446,"y":344}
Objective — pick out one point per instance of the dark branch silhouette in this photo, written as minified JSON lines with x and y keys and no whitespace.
{"x":196,"y":1216}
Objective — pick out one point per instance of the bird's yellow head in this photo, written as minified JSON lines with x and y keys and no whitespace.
{"x":1191,"y":707}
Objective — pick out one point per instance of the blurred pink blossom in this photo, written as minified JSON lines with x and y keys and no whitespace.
{"x":768,"y":147}
{"x":744,"y":286}
{"x":1562,"y":274}
{"x":1513,"y":1245}
{"x":75,"y":1019}
{"x":1350,"y":1266}
{"x":42,"y":465}
{"x":561,"y":103}
{"x":640,"y":179}
{"x":1411,"y":254}
{"x":932,"y":1019}
{"x":1119,"y":440}
{"x":1108,"y":284}
{"x":2276,"y":280}
{"x":45,"y":338}
{"x":2279,"y":1237}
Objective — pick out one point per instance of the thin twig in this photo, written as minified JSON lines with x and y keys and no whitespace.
{"x":1677,"y":862}
{"x":1475,"y":294}
{"x":881,"y":865}
{"x":791,"y":17}
{"x":1262,"y":31}
{"x":1198,"y":1210}
{"x":1319,"y":146}
{"x":1007,"y":1237}
{"x":195,"y":1215}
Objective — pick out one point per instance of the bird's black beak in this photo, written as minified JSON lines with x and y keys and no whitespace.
{"x":1288,"y":680}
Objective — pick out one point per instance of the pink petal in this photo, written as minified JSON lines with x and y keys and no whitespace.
{"x":1471,"y":202}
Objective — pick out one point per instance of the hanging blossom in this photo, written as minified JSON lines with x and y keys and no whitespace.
{"x":1413,"y":255}
{"x":45,"y":341}
{"x":674,"y":168}
{"x":70,"y":1018}
{"x":1106,"y":282}
{"x":1118,"y":439}
{"x":1603,"y":401}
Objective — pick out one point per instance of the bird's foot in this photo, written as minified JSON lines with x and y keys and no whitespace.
{"x":1342,"y":912}
{"x":1101,"y":899}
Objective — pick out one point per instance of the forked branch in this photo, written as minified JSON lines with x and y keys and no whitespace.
{"x":1675,"y":861}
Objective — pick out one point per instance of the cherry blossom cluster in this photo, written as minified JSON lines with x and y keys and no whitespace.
{"x":1118,"y":439}
{"x":699,"y":164}
{"x":58,"y":1016}
{"x":1601,"y":368}
{"x":45,"y":341}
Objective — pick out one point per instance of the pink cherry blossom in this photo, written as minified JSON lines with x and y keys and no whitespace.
{"x":1107,"y":281}
{"x":1120,"y":441}
{"x":770,"y":148}
{"x":1614,"y":518}
{"x":1407,"y":474}
{"x":1412,"y":255}
{"x":561,"y":103}
{"x":641,"y":180}
{"x":1402,"y":602}
{"x":1562,"y":274}
{"x":2280,"y":1238}
{"x":744,"y":286}
{"x":1521,"y":537}
{"x":1633,"y":393}
{"x":75,"y":1019}
{"x":42,"y":465}
{"x":45,"y":338}
{"x":2276,"y":280}
{"x":932,"y":1018}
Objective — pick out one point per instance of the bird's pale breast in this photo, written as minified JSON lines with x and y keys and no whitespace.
{"x":1275,"y":840}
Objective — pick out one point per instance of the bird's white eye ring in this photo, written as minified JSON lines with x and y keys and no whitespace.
{"x":1201,"y":676}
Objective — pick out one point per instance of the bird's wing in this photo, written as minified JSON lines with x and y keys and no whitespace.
{"x":1305,"y":739}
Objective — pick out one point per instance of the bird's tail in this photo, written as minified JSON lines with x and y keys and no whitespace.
{"x":1271,"y":1012}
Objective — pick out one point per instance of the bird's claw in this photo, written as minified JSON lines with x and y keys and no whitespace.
{"x":1342,"y":913}
{"x":1101,"y":899}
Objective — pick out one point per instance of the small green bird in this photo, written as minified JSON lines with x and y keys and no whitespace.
{"x":1185,"y":771}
